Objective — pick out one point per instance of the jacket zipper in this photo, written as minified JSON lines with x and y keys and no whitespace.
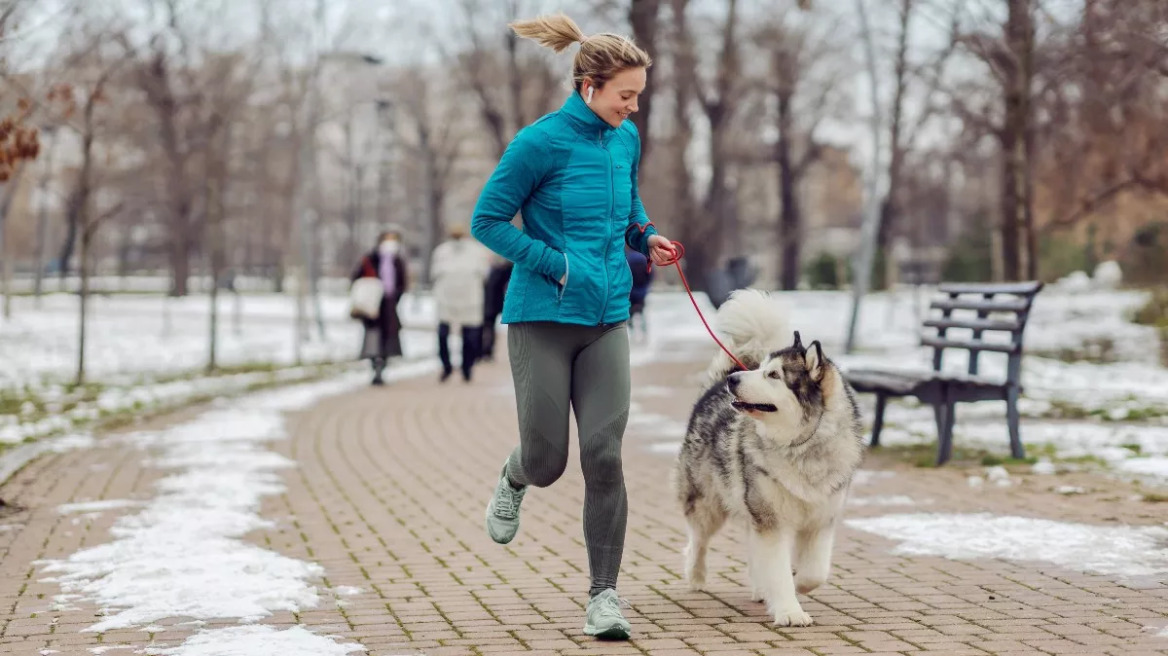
{"x":607,"y":232}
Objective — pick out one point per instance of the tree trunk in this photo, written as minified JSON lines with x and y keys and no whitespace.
{"x":697,"y":260}
{"x":7,"y":253}
{"x":83,"y":298}
{"x":180,"y":264}
{"x":790,"y":221}
{"x":889,"y":207}
{"x":42,"y":226}
{"x":643,"y":19}
{"x":215,"y":179}
{"x":1015,"y":138}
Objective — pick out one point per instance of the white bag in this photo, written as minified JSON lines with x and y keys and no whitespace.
{"x":365,"y":298}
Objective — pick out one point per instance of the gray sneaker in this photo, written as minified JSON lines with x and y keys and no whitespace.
{"x":604,"y":618}
{"x":503,"y":510}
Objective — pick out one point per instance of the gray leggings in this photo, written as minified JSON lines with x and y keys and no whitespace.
{"x":553,"y":364}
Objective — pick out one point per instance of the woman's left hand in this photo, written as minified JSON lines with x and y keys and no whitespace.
{"x":661,"y":251}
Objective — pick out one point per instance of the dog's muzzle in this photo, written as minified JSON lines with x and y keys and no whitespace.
{"x":732,"y":383}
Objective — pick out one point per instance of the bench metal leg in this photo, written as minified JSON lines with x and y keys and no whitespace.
{"x":946,"y":416}
{"x":1012,"y":419}
{"x":878,"y":422}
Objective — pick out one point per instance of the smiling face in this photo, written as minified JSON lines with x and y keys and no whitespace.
{"x":616,"y":100}
{"x":786,"y":393}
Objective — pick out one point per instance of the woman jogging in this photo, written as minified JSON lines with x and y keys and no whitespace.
{"x":573,"y":175}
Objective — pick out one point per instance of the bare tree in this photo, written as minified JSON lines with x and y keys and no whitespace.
{"x":436,"y":142}
{"x":492,"y":61}
{"x":644,"y":19}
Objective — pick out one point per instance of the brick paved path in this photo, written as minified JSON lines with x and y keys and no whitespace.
{"x":389,"y":498}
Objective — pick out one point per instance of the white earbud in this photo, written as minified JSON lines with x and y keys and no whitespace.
{"x":588,"y":100}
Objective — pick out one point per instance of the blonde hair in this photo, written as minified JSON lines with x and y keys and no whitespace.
{"x":601,"y":57}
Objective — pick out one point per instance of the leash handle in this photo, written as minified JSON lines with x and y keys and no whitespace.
{"x":679,"y":252}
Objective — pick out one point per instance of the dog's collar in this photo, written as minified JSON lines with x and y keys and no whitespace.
{"x":809,"y":437}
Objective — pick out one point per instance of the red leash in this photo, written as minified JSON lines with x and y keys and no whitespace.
{"x":679,"y":251}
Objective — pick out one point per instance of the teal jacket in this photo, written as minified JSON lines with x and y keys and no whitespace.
{"x":574,"y":179}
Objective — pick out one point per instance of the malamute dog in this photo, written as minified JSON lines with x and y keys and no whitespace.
{"x":774,"y":447}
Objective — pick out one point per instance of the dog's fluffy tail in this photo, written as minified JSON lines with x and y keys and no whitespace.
{"x":752,"y":324}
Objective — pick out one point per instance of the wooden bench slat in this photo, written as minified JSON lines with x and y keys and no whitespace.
{"x":1002,"y":305}
{"x":974,"y":324}
{"x":968,"y":344}
{"x":1026,"y":288}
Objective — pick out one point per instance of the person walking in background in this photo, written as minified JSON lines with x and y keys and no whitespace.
{"x":383,"y":333}
{"x":496,"y":289}
{"x":642,"y":277}
{"x":459,"y":272}
{"x":573,"y":174}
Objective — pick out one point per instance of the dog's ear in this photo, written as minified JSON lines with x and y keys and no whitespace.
{"x":798,"y":340}
{"x":814,"y":361}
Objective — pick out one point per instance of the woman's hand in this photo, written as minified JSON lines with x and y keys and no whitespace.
{"x":661,"y":251}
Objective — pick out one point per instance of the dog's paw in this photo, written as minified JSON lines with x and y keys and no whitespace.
{"x":756,"y":595}
{"x":795,"y":617}
{"x":696,"y":583}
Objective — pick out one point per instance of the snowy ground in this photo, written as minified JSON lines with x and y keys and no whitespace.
{"x":219,"y":471}
{"x":1115,"y":411}
{"x":148,"y":352}
{"x":143,"y":334}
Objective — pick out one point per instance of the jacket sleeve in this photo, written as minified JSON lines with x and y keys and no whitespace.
{"x":638,"y":218}
{"x":403,"y":276}
{"x":517,"y":175}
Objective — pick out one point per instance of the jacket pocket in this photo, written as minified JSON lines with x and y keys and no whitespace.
{"x":567,"y":276}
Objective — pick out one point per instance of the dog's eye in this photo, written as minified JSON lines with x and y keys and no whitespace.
{"x":776,"y":374}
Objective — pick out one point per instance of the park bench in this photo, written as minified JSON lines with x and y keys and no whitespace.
{"x":998,"y":308}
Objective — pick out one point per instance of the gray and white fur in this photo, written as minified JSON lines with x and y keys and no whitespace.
{"x":774,"y":447}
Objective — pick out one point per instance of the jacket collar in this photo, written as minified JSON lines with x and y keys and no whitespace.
{"x":585,"y":120}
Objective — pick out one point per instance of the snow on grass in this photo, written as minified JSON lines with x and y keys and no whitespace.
{"x":1154,"y":467}
{"x":147,"y":335}
{"x":184,"y":554}
{"x":1125,"y":552}
{"x":262,"y":641}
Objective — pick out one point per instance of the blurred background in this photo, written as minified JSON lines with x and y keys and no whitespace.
{"x":159,"y":145}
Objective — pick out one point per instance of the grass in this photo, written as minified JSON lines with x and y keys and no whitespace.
{"x":925,"y":455}
{"x":1155,"y":497}
{"x":1096,"y":350}
{"x":1060,"y":409}
{"x":30,"y":405}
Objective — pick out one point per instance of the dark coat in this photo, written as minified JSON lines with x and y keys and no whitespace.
{"x":383,"y":335}
{"x":496,"y":290}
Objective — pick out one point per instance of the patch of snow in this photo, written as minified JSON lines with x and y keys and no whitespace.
{"x":96,"y":506}
{"x":999,"y":476}
{"x":898,"y":500}
{"x":261,"y":640}
{"x":1154,"y":466}
{"x":869,"y":476}
{"x":975,"y":481}
{"x":220,"y":471}
{"x":1070,"y":489}
{"x":1043,"y":467}
{"x":1120,"y":551}
{"x":347,"y":591}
